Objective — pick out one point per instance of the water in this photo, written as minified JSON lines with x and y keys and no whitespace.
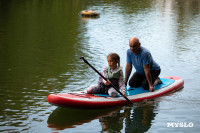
{"x":40,"y":46}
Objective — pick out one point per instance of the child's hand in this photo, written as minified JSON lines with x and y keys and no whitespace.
{"x":124,"y":93}
{"x":107,"y":82}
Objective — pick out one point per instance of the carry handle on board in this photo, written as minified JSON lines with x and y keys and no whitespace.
{"x":105,"y":79}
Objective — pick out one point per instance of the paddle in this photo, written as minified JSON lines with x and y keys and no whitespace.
{"x":105,"y":79}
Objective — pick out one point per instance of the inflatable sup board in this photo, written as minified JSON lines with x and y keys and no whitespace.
{"x":96,"y":101}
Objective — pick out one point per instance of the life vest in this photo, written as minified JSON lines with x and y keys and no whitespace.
{"x":114,"y":74}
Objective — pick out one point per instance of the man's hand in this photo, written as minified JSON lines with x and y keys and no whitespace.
{"x":151,"y":89}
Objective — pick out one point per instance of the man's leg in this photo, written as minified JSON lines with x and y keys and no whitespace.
{"x":136,"y":80}
{"x":154,"y":76}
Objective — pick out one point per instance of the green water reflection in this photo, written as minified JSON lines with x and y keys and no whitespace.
{"x":129,"y":119}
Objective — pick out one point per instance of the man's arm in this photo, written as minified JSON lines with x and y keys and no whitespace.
{"x":128,"y":70}
{"x":148,"y":76}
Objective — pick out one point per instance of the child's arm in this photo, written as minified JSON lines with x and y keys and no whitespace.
{"x":121,"y":81}
{"x":105,"y":73}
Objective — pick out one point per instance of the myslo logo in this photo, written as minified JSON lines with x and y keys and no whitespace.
{"x":180,"y":124}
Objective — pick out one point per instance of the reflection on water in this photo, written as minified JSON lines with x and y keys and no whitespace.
{"x":63,"y":118}
{"x":130,"y":119}
{"x":41,"y":42}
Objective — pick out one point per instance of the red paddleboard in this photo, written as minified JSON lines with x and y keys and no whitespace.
{"x":96,"y":101}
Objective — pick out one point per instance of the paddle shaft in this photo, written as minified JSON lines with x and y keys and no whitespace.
{"x":105,"y":79}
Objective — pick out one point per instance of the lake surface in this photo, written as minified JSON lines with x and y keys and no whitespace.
{"x":40,"y":45}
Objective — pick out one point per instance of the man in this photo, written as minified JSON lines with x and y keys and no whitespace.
{"x":147,"y":70}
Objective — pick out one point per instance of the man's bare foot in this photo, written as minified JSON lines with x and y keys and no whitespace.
{"x":157,"y":82}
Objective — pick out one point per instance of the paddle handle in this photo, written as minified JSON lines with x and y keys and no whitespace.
{"x":105,"y":79}
{"x":93,"y":68}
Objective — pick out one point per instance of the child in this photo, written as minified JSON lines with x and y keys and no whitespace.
{"x":113,"y":72}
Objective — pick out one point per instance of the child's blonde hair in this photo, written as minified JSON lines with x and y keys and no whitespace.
{"x":115,"y":57}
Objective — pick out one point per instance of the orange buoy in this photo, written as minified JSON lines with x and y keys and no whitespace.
{"x":89,"y":13}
